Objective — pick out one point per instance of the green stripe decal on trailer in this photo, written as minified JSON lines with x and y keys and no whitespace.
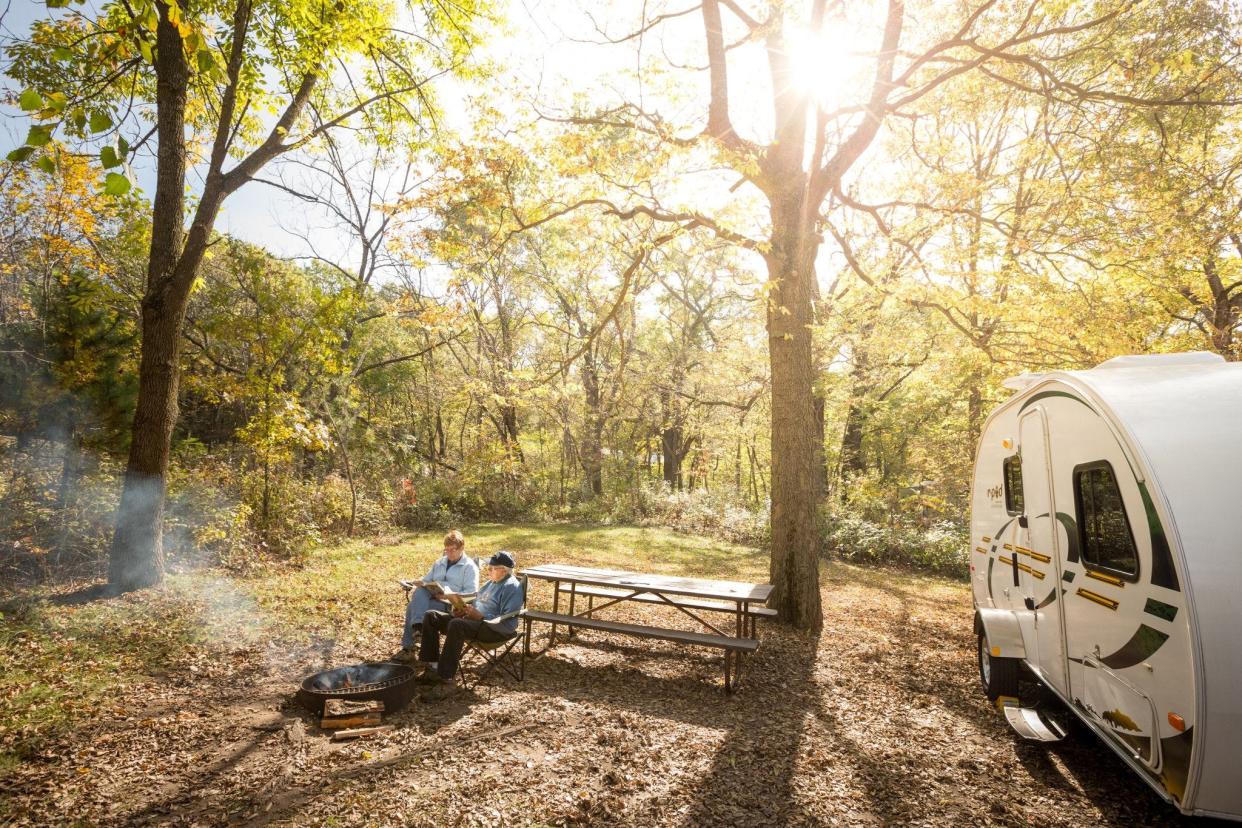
{"x":1160,"y":609}
{"x":1163,"y":573}
{"x":1071,"y":536}
{"x":1145,"y":641}
{"x":1052,"y":596}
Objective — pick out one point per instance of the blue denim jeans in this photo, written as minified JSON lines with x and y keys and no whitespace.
{"x":420,"y":602}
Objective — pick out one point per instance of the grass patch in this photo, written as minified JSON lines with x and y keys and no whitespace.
{"x":349,"y":592}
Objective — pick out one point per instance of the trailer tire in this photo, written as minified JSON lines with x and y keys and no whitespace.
{"x":999,"y":676}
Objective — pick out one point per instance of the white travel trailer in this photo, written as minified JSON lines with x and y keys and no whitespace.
{"x":1107,"y":562}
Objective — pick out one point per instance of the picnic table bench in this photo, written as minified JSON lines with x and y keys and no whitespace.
{"x":690,"y":596}
{"x":591,"y":593}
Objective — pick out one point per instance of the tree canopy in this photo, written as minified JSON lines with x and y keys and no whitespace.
{"x":750,"y":268}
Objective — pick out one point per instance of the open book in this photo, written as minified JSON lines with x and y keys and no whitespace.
{"x":442,"y":592}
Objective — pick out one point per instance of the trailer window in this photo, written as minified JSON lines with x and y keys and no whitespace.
{"x":1103,"y":529}
{"x":1013,"y":485}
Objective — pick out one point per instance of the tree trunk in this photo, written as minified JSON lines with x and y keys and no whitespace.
{"x":592,"y":454}
{"x":674,"y":450}
{"x":136,"y":559}
{"x":851,"y":465}
{"x":349,"y":476}
{"x":511,"y":433}
{"x":974,"y":412}
{"x":821,"y":462}
{"x":1223,"y":312}
{"x":137,"y":555}
{"x":795,"y":547}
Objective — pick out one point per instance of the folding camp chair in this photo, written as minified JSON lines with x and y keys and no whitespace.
{"x":483,"y":657}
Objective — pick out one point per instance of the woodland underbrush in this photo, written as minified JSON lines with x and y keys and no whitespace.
{"x":909,"y":539}
{"x":56,"y":518}
{"x":940,"y":548}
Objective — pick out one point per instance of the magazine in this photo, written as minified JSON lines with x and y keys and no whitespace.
{"x":442,"y":592}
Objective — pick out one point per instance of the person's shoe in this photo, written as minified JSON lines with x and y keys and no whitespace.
{"x":429,"y":677}
{"x":408,"y":655}
{"x":441,"y":690}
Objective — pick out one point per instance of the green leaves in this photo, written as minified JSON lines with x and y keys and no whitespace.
{"x":20,"y":154}
{"x":111,"y":156}
{"x":39,"y":136}
{"x":30,"y":101}
{"x":116,"y":184}
{"x":100,"y":121}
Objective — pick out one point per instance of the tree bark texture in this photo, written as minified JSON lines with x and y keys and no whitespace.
{"x":592,"y":454}
{"x":795,"y":546}
{"x":137,"y":556}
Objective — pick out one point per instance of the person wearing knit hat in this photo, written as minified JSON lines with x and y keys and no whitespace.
{"x":493,"y":617}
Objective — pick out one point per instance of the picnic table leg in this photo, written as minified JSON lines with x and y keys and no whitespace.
{"x":573,"y":594}
{"x":556,"y":608}
{"x":727,"y":683}
{"x":743,"y":620}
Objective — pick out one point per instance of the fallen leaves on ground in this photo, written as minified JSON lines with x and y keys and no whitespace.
{"x":876,"y":721}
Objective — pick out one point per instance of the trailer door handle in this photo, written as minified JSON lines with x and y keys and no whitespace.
{"x":1030,"y":603}
{"x":1023,"y":522}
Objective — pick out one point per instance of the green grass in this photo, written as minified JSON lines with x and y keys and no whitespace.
{"x":348,"y":593}
{"x":58,"y":664}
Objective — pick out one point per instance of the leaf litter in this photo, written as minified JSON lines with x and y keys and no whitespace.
{"x":878,"y":720}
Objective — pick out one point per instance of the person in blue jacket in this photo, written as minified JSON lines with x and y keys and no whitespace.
{"x":454,"y":570}
{"x":493,"y":617}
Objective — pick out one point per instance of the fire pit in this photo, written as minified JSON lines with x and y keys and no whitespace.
{"x":393,"y":684}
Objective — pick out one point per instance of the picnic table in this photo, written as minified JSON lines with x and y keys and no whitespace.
{"x":693,"y":597}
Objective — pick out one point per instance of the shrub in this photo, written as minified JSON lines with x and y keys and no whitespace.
{"x":714,"y":513}
{"x":433,"y":507}
{"x":443,"y":504}
{"x":205,"y":521}
{"x":42,"y":536}
{"x":940,"y":548}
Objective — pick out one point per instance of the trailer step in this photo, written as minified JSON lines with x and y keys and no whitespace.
{"x":1030,"y":725}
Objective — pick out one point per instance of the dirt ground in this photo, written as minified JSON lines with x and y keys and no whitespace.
{"x":877,"y":721}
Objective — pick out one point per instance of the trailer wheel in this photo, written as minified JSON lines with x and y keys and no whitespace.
{"x":999,"y":676}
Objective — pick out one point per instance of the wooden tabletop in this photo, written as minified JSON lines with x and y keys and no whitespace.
{"x":646,"y":582}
